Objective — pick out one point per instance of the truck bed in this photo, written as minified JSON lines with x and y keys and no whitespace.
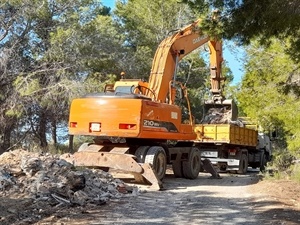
{"x":226,"y":133}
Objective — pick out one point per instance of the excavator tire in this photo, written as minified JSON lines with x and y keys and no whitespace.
{"x":177,"y":169}
{"x":191,"y":167}
{"x":243,"y":164}
{"x":156,"y":157}
{"x":140,"y":153}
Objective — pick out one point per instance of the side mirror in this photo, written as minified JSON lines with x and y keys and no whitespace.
{"x":274,"y":134}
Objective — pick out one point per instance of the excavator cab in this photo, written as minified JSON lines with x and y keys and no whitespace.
{"x":219,"y":112}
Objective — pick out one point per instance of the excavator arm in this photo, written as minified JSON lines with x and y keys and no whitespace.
{"x":172,"y":49}
{"x":216,"y":78}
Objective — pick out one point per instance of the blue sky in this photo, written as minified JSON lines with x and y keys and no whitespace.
{"x":231,"y":53}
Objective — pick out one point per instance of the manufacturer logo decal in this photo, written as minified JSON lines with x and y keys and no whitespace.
{"x":196,"y":40}
{"x":151,"y":123}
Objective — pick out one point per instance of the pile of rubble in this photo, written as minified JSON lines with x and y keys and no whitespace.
{"x":221,"y":115}
{"x":47,"y":178}
{"x":217,"y":116}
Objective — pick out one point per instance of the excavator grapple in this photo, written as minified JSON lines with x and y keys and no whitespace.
{"x":220,"y":111}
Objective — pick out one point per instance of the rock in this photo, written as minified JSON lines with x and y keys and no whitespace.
{"x":6,"y":180}
{"x":76,"y":180}
{"x":31,"y":165}
{"x":217,"y":116}
{"x":53,"y":181}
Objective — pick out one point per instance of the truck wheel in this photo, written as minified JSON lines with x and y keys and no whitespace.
{"x":191,"y":167}
{"x":140,"y":153}
{"x":156,"y":157}
{"x":243,"y":164}
{"x":263,"y":162}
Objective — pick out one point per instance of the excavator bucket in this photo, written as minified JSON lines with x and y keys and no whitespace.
{"x":220,"y":112}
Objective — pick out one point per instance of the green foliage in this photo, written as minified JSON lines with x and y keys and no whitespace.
{"x":148,"y":23}
{"x":145,"y":24}
{"x":248,"y":19}
{"x":47,"y":49}
{"x":283,"y":166}
{"x":58,"y":148}
{"x":265,"y":94}
{"x":295,"y":174}
{"x":282,"y":160}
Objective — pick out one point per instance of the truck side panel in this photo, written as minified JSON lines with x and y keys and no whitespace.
{"x":226,"y":133}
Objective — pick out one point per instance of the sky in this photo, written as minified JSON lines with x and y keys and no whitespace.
{"x":231,"y":53}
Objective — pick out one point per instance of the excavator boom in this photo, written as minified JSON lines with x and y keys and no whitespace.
{"x":170,"y":51}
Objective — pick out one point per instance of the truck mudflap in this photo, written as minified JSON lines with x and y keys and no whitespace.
{"x":142,"y":172}
{"x":208,"y":167}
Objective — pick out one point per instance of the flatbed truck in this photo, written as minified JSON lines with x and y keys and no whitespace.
{"x":233,"y":148}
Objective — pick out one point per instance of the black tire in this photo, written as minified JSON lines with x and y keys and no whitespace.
{"x":140,"y":153}
{"x":156,"y":157}
{"x":263,"y":162}
{"x":177,"y":169}
{"x":191,"y":167}
{"x":243,"y":167}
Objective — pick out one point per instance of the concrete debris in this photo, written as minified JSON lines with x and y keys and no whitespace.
{"x":220,"y":116}
{"x":49,"y":179}
{"x":217,"y":116}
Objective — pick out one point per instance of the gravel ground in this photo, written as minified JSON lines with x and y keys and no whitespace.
{"x":234,"y":199}
{"x":43,"y":189}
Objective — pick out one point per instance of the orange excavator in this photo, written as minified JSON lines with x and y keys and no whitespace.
{"x":136,"y":126}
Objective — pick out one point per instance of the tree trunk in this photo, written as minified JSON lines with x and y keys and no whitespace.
{"x":4,"y":146}
{"x":42,"y":130}
{"x":53,"y":131}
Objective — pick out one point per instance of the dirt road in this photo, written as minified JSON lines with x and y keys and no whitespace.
{"x":234,"y":199}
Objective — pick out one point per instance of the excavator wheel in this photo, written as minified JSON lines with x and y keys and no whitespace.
{"x":191,"y":167}
{"x":177,"y":169}
{"x":156,"y":157}
{"x":140,"y":153}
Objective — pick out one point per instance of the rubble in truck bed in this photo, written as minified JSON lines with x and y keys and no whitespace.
{"x":220,"y":116}
{"x":217,"y":116}
{"x":45,"y":180}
